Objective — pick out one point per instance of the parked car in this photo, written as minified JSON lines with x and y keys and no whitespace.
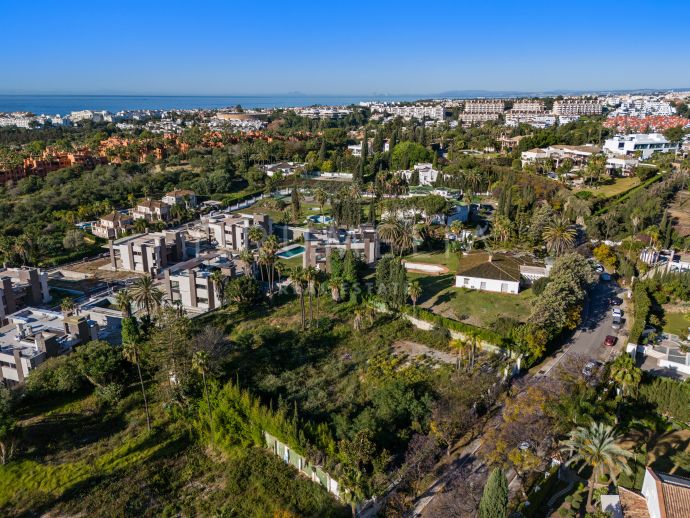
{"x":610,"y":341}
{"x":590,"y":367}
{"x":617,"y":312}
{"x":616,"y":324}
{"x":605,"y":277}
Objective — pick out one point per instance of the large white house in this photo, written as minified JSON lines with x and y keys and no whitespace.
{"x":427,"y":173}
{"x":646,"y":144}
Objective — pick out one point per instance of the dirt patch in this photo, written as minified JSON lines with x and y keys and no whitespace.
{"x":92,"y":268}
{"x":415,"y":350}
{"x":679,"y":210}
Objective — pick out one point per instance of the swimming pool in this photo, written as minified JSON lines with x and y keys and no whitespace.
{"x":320,"y":219}
{"x":291,"y":252}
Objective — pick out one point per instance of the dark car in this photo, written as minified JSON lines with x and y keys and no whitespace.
{"x":610,"y":341}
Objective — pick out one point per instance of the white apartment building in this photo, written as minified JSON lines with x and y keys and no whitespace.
{"x":190,"y":283}
{"x":646,"y":144}
{"x":528,"y":106}
{"x":417,"y":111}
{"x":147,"y":253}
{"x":320,"y":244}
{"x":33,"y":335}
{"x":474,"y":118}
{"x":577,"y":107}
{"x":231,"y":231}
{"x":491,"y":106}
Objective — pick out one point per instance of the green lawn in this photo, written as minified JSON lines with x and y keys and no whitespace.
{"x":677,"y":324}
{"x":450,"y":260}
{"x":618,"y":186}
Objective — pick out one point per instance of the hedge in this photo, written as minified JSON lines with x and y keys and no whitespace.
{"x":671,"y":397}
{"x":641,"y":306}
{"x":619,"y":198}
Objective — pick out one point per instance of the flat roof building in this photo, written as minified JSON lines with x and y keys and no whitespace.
{"x":21,"y":287}
{"x":148,"y":253}
{"x":190,"y":283}
{"x":231,"y":231}
{"x":320,"y":244}
{"x":644,"y":144}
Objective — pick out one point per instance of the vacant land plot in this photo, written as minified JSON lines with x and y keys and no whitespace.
{"x":444,"y":258}
{"x":414,"y":350}
{"x":618,"y":186}
{"x":679,"y":210}
{"x":677,"y":324}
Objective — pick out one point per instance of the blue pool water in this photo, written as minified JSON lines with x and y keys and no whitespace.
{"x":287,"y":254}
{"x":320,"y":219}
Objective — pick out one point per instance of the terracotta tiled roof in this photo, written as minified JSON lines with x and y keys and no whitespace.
{"x":501,"y":267}
{"x":116,"y":216}
{"x":180,"y":192}
{"x":150,"y":204}
{"x":633,"y":504}
{"x":675,"y":493}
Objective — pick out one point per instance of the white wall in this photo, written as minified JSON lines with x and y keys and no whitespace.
{"x":477,"y":283}
{"x":649,"y":491}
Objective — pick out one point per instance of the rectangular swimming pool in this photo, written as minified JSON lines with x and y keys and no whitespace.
{"x":292,"y":252}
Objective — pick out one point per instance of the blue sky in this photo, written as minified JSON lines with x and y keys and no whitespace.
{"x":396,"y":47}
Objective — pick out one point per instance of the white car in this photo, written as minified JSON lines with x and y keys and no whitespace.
{"x":617,"y":313}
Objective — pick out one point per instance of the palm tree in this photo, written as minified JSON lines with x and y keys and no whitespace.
{"x":247,"y":258}
{"x":334,"y":286}
{"x":414,"y":290}
{"x":67,"y":306}
{"x":405,"y":239}
{"x":595,"y":446}
{"x":145,"y":293}
{"x":256,"y":234}
{"x":219,"y":280}
{"x":200,"y":365}
{"x":309,"y":278}
{"x":321,"y":197}
{"x":319,"y":279}
{"x":270,"y":253}
{"x":130,"y":351}
{"x":123,"y":299}
{"x":626,"y":374}
{"x":140,"y":225}
{"x":298,"y":283}
{"x":559,"y":236}
{"x":389,"y":231}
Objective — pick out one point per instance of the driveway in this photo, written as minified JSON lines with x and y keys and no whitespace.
{"x":587,"y":341}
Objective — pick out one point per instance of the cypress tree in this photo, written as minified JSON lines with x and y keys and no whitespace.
{"x":494,"y":502}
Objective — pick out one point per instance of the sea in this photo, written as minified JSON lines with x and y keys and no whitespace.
{"x":64,"y":104}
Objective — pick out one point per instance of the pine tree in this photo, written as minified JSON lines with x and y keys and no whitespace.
{"x":494,"y":502}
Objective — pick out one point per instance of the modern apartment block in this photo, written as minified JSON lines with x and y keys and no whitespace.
{"x":113,"y":225}
{"x":577,"y":107}
{"x":528,"y":106}
{"x":474,"y":118}
{"x":21,"y":287}
{"x":34,"y":335}
{"x":484,"y":106}
{"x":148,"y":253}
{"x":190,"y":282}
{"x":644,"y":144}
{"x":151,"y":210}
{"x":320,"y":244}
{"x":231,"y":231}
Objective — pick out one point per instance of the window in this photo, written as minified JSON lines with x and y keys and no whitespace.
{"x":482,"y":285}
{"x":201,"y":300}
{"x":466,"y":281}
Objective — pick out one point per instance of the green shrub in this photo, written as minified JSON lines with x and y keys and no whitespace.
{"x":670,"y":397}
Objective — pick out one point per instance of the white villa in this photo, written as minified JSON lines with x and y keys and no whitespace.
{"x":499,"y":272}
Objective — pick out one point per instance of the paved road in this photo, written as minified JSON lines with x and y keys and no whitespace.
{"x":587,"y":341}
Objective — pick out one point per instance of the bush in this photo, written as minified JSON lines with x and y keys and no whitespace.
{"x":670,"y":397}
{"x":54,"y":377}
{"x":539,"y":285}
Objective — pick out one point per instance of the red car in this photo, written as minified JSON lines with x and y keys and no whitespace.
{"x":610,"y":341}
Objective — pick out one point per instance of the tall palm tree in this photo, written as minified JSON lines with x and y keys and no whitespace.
{"x":270,"y":253}
{"x":200,"y":365}
{"x":130,"y":351}
{"x":298,"y":283}
{"x":388,"y":231}
{"x":123,"y":300}
{"x":145,"y":293}
{"x":256,"y":234}
{"x":405,"y":238}
{"x":414,"y":290}
{"x":595,"y":446}
{"x":559,"y":236}
{"x":219,"y":280}
{"x":247,"y":258}
{"x":309,"y":278}
{"x":626,"y":374}
{"x":319,"y":279}
{"x":321,"y":197}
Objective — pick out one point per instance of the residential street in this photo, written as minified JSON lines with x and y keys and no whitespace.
{"x":587,"y":341}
